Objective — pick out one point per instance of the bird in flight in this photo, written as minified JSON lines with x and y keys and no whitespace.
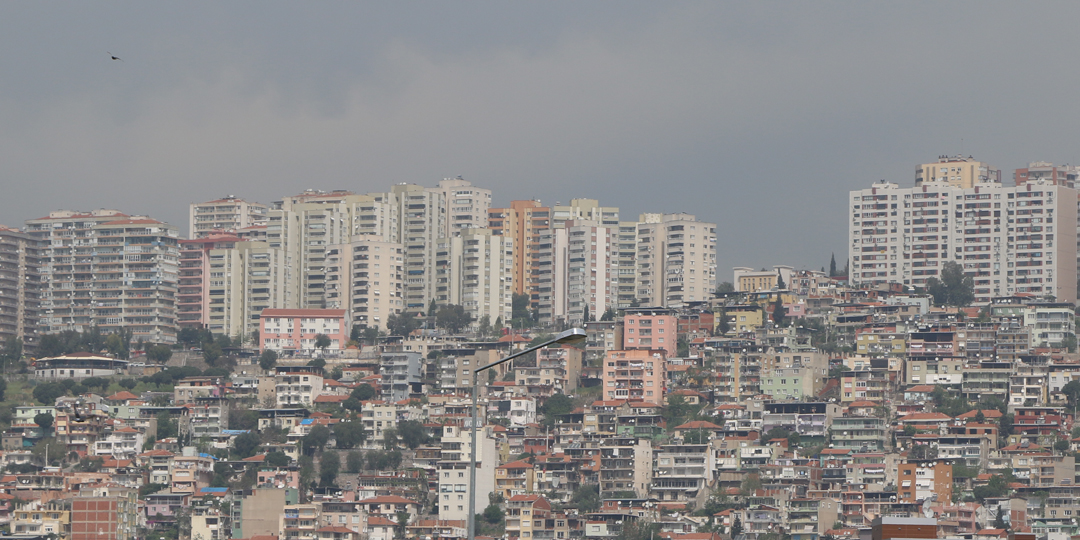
{"x":111,"y":55}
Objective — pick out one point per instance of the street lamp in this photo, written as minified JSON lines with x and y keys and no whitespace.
{"x":573,"y":335}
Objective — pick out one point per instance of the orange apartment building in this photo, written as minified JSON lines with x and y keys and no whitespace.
{"x":297,"y":329}
{"x":918,"y":481}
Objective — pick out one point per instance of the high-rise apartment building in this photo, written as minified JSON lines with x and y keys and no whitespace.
{"x":1060,"y":175}
{"x":676,"y":260}
{"x":193,"y":289}
{"x":423,"y":223}
{"x":305,"y":225}
{"x":109,"y":270}
{"x":228,"y":214}
{"x":551,"y":275}
{"x":20,"y":286}
{"x":474,"y":270}
{"x":134,"y":278}
{"x":957,"y":171}
{"x":1011,"y":240}
{"x":584,"y":209}
{"x":627,"y":264}
{"x":467,"y":206}
{"x":366,"y":278}
{"x":226,"y":282}
{"x":523,"y":222}
{"x":68,"y":241}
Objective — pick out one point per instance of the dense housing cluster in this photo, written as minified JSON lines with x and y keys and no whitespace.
{"x":327,"y":367}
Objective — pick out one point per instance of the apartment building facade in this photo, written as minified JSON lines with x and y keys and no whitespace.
{"x":226,"y":215}
{"x":676,"y":260}
{"x":1011,"y":240}
{"x":366,"y":278}
{"x":20,"y":286}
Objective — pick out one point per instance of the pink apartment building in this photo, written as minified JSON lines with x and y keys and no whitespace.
{"x":297,"y":329}
{"x":651,"y":328}
{"x":635,"y":375}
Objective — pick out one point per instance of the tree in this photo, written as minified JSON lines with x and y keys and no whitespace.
{"x":211,"y":352}
{"x":412,"y":433}
{"x":432,"y":308}
{"x":736,"y":526}
{"x":750,"y":484}
{"x":453,"y":318}
{"x":484,"y":325}
{"x":48,"y":392}
{"x":246,"y":445}
{"x":322,"y":341}
{"x":493,"y":514}
{"x":390,"y":438}
{"x":315,"y":439}
{"x":1062,"y":446}
{"x":44,"y":421}
{"x":832,"y":265}
{"x":328,"y":468}
{"x":996,"y":487}
{"x":520,"y":306}
{"x":780,"y":285}
{"x":725,"y":287}
{"x":267,"y":360}
{"x":779,"y":314}
{"x":11,"y":352}
{"x":723,"y":326}
{"x":585,"y":314}
{"x":354,"y":462}
{"x":401,"y":324}
{"x":277,"y":459}
{"x":166,"y":426}
{"x":1069,"y":343}
{"x":954,"y":288}
{"x":608,"y":315}
{"x":586,"y":498}
{"x":349,"y":434}
{"x":128,"y":383}
{"x":159,"y":353}
{"x":364,"y":392}
{"x":371,"y":335}
{"x":923,"y":452}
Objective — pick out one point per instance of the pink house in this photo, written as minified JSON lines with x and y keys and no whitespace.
{"x":297,"y":329}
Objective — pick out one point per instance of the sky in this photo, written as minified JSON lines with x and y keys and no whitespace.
{"x":758,"y":116}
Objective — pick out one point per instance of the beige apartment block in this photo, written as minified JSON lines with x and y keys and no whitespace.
{"x":957,"y":171}
{"x":366,"y":277}
{"x":676,"y":261}
{"x":225,"y":215}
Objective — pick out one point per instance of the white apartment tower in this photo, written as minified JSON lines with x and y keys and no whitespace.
{"x":1011,"y":240}
{"x":676,"y":260}
{"x":228,"y":214}
{"x":366,"y":277}
{"x":110,"y":270}
{"x":422,"y":213}
{"x":475,"y":269}
{"x":583,"y":271}
{"x":20,"y":286}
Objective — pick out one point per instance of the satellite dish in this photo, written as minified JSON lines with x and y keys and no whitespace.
{"x":927,"y":512}
{"x":555,"y":481}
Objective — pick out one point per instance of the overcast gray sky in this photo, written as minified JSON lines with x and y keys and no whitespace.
{"x":759,"y":116}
